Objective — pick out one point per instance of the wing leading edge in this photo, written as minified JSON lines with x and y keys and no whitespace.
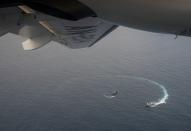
{"x":39,"y":29}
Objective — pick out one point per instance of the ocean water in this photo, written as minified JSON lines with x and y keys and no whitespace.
{"x":58,"y":89}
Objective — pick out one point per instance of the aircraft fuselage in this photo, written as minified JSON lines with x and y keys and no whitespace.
{"x":164,"y":16}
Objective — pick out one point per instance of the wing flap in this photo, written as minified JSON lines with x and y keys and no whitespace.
{"x":82,"y":33}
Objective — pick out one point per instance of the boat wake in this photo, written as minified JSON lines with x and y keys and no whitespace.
{"x":161,"y":100}
{"x":109,"y":97}
{"x":112,"y":95}
{"x":164,"y":96}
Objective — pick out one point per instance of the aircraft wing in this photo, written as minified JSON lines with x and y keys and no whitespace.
{"x":39,"y":29}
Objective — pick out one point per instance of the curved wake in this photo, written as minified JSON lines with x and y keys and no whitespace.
{"x":112,"y":95}
{"x":109,"y":96}
{"x":161,"y":100}
{"x":165,"y":96}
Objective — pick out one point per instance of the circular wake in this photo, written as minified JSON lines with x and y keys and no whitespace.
{"x":164,"y":96}
{"x":160,"y":101}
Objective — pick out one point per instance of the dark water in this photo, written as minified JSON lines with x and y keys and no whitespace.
{"x":58,"y":89}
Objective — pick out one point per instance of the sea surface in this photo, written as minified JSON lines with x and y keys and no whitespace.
{"x":59,"y":89}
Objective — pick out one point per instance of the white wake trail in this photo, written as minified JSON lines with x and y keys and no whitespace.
{"x":163,"y":98}
{"x":109,"y":96}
